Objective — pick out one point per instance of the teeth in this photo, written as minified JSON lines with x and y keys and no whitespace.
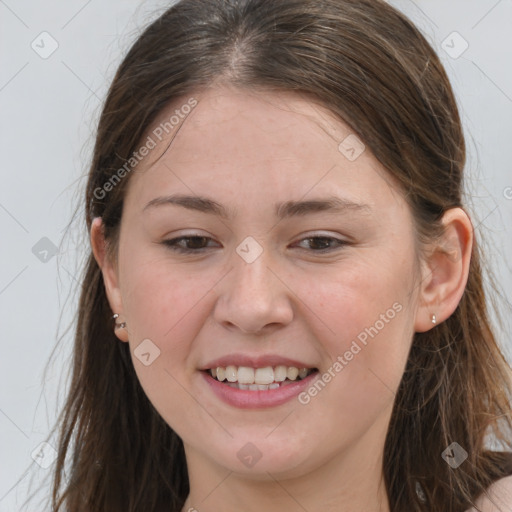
{"x":245,"y":375}
{"x":258,"y":379}
{"x":264,"y":375}
{"x":231,"y":374}
{"x":221,"y":373}
{"x":303,"y":372}
{"x":280,"y":373}
{"x":292,"y":373}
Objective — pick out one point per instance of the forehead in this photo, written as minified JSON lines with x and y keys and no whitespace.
{"x":242,"y":142}
{"x":231,"y":119}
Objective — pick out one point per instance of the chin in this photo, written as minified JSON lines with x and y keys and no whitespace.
{"x":257,"y":456}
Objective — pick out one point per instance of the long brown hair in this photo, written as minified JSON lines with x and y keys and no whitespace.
{"x":369,"y":65}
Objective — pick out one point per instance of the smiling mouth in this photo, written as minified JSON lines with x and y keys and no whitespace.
{"x":259,"y":379}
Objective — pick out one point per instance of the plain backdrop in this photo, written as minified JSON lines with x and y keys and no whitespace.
{"x":56,"y":62}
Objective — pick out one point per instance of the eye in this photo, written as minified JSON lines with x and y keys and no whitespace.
{"x":324,"y":243}
{"x":188,"y":244}
{"x":196,"y":244}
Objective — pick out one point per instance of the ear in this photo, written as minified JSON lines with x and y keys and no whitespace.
{"x":445,"y":271}
{"x":110,"y":275}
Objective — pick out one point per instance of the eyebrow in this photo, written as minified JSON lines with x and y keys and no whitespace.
{"x":287,"y":209}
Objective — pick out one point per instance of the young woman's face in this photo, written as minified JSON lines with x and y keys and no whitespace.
{"x":302,"y":256}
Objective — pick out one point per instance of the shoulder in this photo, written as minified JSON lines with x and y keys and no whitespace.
{"x":498,"y":498}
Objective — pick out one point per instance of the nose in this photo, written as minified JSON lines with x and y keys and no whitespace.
{"x":253,"y":297}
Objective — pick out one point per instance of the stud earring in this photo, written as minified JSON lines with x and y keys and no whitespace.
{"x":434,"y":320}
{"x":122,"y":325}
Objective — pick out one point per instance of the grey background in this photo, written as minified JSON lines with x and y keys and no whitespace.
{"x":49,"y":107}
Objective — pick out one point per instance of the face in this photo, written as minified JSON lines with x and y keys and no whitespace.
{"x":300,"y":254}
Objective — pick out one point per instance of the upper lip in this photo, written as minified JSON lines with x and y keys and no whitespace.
{"x":254,"y":361}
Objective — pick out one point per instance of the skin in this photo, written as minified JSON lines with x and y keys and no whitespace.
{"x":264,"y":149}
{"x":499,"y":497}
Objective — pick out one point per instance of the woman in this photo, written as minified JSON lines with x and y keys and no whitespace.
{"x":283,"y":306}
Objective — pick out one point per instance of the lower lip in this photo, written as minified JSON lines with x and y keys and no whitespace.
{"x":245,"y":399}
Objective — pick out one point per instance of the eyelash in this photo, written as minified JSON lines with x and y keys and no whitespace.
{"x":172,"y":243}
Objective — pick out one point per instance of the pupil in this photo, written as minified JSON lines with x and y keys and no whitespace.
{"x":317,"y":242}
{"x":197,"y":242}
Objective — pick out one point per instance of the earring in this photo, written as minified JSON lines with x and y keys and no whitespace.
{"x":434,"y":319}
{"x":122,"y":325}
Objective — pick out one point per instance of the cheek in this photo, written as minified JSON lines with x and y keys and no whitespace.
{"x":364,"y":319}
{"x":161,"y":298}
{"x":167,"y":306}
{"x":159,"y":303}
{"x":356,"y":295}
